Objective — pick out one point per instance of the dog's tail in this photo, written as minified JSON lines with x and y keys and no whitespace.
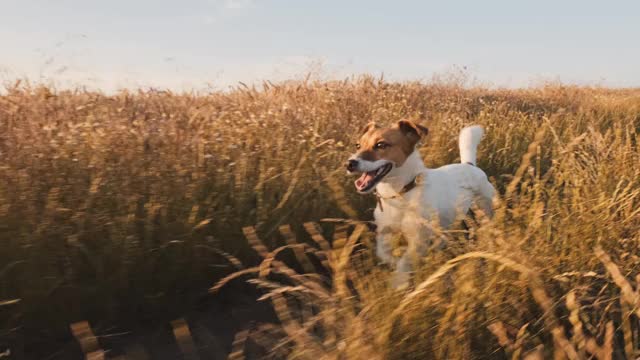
{"x":469,"y":140}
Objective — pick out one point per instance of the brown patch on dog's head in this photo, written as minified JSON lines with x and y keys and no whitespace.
{"x":370,"y":126}
{"x":394,"y":143}
{"x":413,"y":131}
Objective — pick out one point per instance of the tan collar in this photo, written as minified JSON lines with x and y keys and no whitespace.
{"x":405,"y":189}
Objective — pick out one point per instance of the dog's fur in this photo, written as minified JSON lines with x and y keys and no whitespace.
{"x":388,"y":161}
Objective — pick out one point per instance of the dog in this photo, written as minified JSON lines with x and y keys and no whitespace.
{"x":413,"y":200}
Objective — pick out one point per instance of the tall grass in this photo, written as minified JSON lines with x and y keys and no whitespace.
{"x":127,"y":207}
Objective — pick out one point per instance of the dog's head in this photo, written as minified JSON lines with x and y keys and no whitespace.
{"x":382,"y":150}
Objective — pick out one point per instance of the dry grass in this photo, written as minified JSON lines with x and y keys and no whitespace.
{"x":112,"y":206}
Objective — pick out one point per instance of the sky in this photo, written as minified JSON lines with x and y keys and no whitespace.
{"x":214,"y":44}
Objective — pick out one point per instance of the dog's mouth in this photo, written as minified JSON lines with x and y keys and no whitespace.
{"x":368,"y":180}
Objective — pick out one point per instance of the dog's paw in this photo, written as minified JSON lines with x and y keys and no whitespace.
{"x":400,"y":280}
{"x":386,"y":258}
{"x":386,"y":266}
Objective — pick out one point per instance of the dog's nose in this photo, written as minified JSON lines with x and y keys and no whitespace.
{"x":352,"y":165}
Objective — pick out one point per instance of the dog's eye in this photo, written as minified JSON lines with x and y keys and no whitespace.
{"x":381,"y":145}
{"x":358,"y":146}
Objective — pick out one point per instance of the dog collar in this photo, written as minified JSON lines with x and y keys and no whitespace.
{"x":405,"y":189}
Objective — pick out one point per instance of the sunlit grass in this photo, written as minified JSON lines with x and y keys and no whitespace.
{"x":118,"y":207}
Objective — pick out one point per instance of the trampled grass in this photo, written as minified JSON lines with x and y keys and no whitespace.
{"x":128,"y":208}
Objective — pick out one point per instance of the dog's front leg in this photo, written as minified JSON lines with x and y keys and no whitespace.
{"x":383,"y":246}
{"x":417,"y":244}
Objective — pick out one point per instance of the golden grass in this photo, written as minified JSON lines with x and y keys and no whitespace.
{"x":112,"y":204}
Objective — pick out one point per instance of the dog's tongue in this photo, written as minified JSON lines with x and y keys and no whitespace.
{"x":364,"y":180}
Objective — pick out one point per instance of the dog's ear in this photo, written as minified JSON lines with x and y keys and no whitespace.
{"x":368,"y":127}
{"x":412,"y":130}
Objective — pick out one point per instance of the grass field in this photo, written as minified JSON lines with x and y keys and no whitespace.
{"x":125,"y":209}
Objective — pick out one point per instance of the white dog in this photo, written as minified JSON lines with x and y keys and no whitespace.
{"x":412,"y":199}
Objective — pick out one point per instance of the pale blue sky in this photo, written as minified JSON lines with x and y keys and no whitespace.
{"x":196,"y":43}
